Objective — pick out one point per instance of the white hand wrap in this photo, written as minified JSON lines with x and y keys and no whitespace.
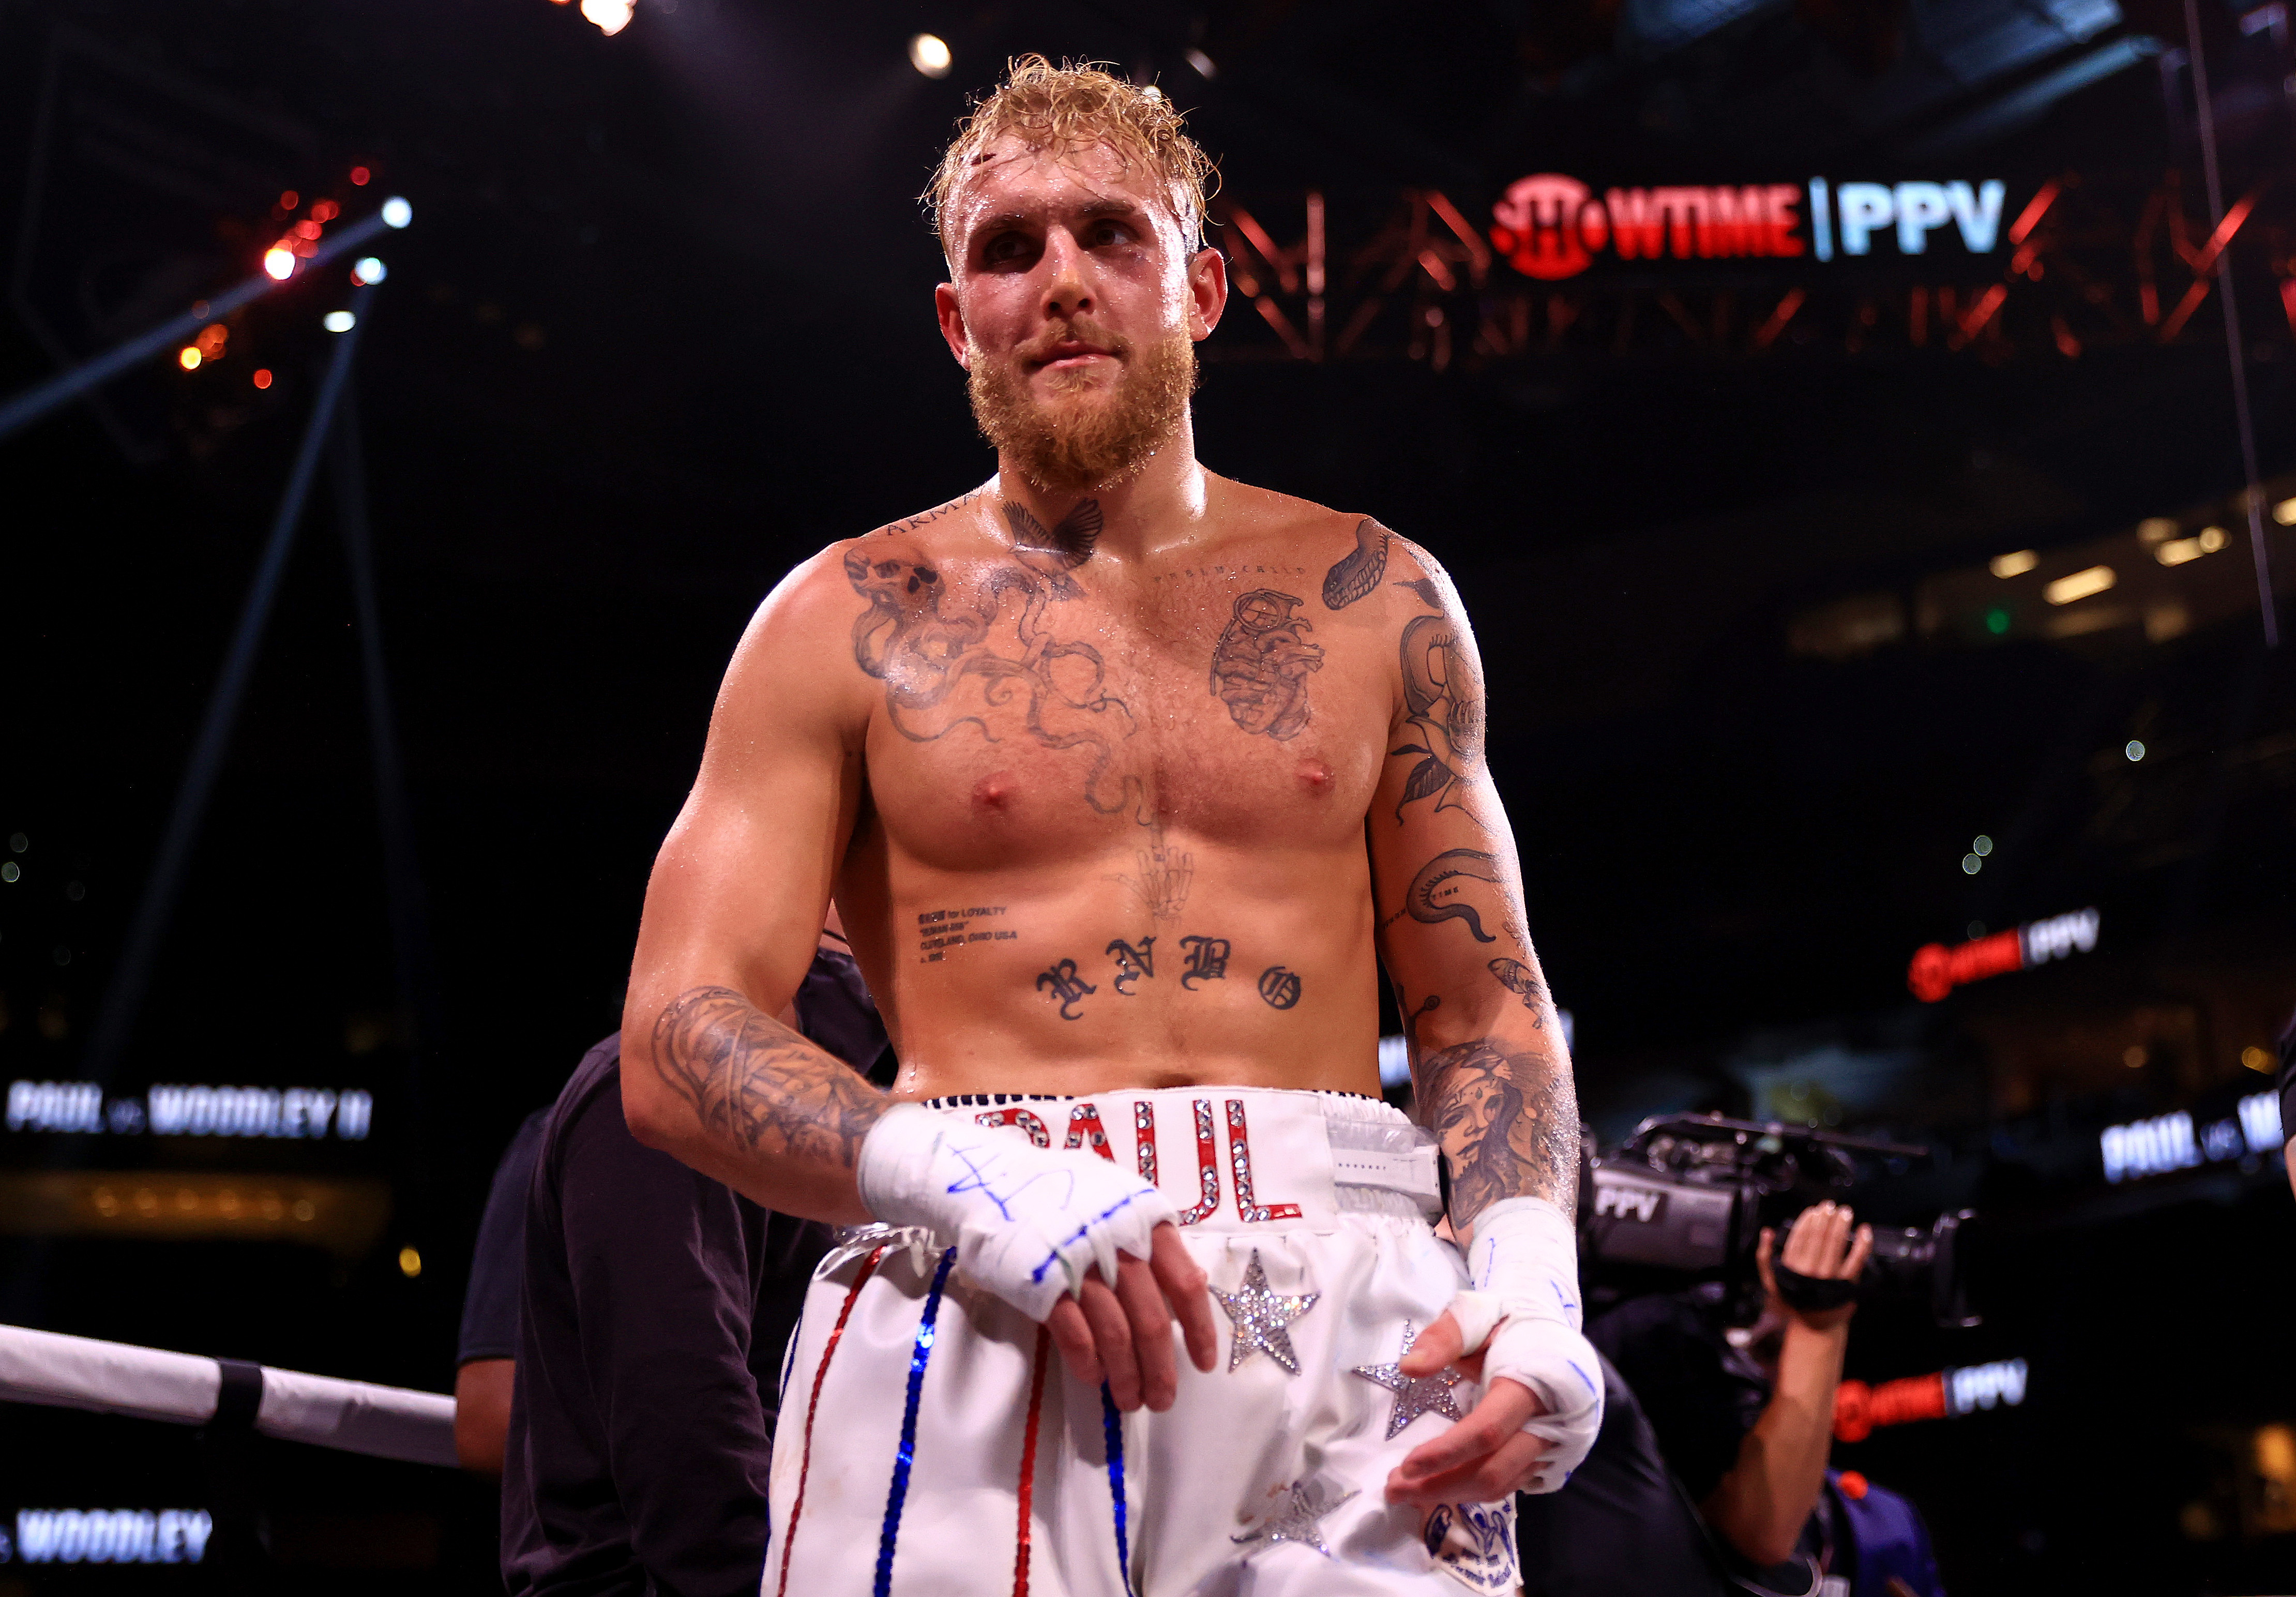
{"x":1524,"y":1264}
{"x":1028,"y":1222}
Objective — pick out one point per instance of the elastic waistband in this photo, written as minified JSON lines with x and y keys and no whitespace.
{"x":1236,"y":1158}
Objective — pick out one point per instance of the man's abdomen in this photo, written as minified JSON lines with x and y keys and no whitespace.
{"x":1167,"y":967}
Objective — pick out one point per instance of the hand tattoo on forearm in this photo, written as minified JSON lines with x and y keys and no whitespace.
{"x":1508,"y":1123}
{"x":760,"y":1086}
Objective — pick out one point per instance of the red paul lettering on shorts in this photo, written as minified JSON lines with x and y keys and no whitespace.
{"x":1086,"y":1129}
{"x":1010,"y":1115}
{"x":1238,"y":1153}
{"x":1143,"y":1124}
{"x":1207,"y":1167}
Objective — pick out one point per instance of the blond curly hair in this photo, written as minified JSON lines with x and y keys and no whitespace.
{"x":1074,"y":105}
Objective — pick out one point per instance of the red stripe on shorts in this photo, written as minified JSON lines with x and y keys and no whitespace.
{"x":813,"y":1406}
{"x":1028,"y":1461}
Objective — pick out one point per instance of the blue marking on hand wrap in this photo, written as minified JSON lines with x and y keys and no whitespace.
{"x":1054,"y":1257}
{"x":1112,"y":1423}
{"x":918,"y":1355}
{"x":980,"y":1181}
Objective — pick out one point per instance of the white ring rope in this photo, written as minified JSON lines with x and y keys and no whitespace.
{"x":113,"y":1377}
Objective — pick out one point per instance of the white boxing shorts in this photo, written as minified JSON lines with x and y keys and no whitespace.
{"x":932,"y":1443}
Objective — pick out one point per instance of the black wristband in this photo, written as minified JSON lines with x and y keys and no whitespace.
{"x":1811,"y":1294}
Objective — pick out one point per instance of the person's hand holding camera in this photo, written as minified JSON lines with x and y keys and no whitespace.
{"x":1761,"y":1503}
{"x":1815,"y":1281}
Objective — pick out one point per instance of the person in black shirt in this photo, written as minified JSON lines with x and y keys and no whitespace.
{"x":485,"y":1351}
{"x":653,"y":1305}
{"x":1621,"y":1525}
{"x":1748,"y":1443}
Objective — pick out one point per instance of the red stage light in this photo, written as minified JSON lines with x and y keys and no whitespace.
{"x":325,"y":210}
{"x":263,"y":377}
{"x":306,"y":229}
{"x":360,"y":176}
{"x":290,"y":199}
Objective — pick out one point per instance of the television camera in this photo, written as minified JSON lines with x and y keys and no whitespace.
{"x":1685,"y":1199}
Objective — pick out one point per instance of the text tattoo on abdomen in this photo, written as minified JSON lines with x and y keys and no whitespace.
{"x":938,"y":931}
{"x":1067,"y":984}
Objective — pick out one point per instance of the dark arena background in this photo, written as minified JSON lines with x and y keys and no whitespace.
{"x":1864,"y":432}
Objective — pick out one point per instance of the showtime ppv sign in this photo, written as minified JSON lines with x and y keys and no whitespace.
{"x":1551,"y":226}
{"x":1937,"y":970}
{"x":1948,"y":1394}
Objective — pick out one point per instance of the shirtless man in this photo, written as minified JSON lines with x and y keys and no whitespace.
{"x":1127,"y":778}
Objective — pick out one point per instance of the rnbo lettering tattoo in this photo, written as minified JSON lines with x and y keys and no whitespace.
{"x":1207,"y":961}
{"x":1067,"y":988}
{"x":1279,"y":986}
{"x":1132,"y":963}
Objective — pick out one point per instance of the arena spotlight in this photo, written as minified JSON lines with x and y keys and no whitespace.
{"x":2080,"y":585}
{"x":279,"y":261}
{"x":339,"y":321}
{"x":397,"y":212}
{"x":1204,"y":65}
{"x":928,"y":54}
{"x":189,"y":358}
{"x":368,"y":270}
{"x":611,"y":16}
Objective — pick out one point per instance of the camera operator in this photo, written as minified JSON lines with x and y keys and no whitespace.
{"x":1748,"y":1437}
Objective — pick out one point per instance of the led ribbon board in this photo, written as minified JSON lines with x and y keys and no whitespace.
{"x":1937,"y":970}
{"x":1949,"y":1394}
{"x":310,"y":1113}
{"x":2170,"y":1142}
{"x":1549,"y":225}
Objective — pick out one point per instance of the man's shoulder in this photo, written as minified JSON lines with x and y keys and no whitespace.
{"x":823,"y":586}
{"x":1358,"y":551}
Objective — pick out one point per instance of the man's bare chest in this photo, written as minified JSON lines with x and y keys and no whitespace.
{"x":1028,"y":712}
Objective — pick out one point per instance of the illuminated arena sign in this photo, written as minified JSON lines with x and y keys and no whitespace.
{"x":1937,"y":970}
{"x":305,"y":1113}
{"x":112,"y":1535}
{"x":1551,"y":226}
{"x":1949,"y":1394}
{"x":2170,"y":1142}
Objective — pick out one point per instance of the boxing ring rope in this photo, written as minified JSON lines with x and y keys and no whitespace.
{"x":183,"y":1388}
